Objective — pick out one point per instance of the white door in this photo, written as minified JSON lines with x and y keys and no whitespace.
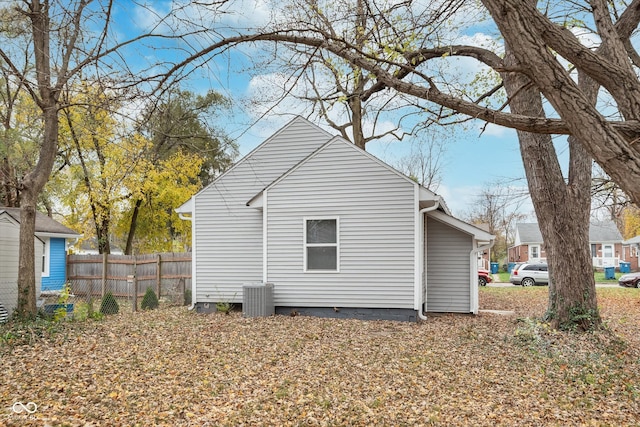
{"x":534,"y":253}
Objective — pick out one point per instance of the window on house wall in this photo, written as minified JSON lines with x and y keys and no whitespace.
{"x":534,"y":251}
{"x":321,"y":244}
{"x":46,"y":251}
{"x":607,"y":251}
{"x":594,"y":250}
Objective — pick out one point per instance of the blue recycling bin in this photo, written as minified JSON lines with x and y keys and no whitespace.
{"x":494,"y":267}
{"x":510,"y":266}
{"x":625,"y":267}
{"x":609,"y":273}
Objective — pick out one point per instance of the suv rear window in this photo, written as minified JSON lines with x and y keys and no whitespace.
{"x":535,"y":267}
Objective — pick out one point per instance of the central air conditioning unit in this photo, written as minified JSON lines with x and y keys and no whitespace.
{"x":257,"y":300}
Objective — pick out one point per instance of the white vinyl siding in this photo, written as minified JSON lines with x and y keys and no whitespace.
{"x":448,"y":268}
{"x":376,"y":210}
{"x":228,"y":240}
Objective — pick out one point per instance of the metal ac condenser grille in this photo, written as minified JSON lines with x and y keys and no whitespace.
{"x":257,"y":300}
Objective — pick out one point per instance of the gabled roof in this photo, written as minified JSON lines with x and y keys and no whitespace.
{"x":599,"y":232}
{"x":45,"y":226}
{"x":425,"y":195}
{"x":187,"y":207}
{"x":529,"y":232}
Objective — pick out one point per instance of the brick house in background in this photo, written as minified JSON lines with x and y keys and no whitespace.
{"x":604,"y":238}
{"x":631,"y":252}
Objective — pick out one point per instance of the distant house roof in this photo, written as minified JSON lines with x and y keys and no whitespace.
{"x":45,"y":226}
{"x":604,"y":231}
{"x":632,"y":241}
{"x":529,"y":232}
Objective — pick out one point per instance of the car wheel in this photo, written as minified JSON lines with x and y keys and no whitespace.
{"x":528,"y":281}
{"x":638,"y":284}
{"x":482,"y":281}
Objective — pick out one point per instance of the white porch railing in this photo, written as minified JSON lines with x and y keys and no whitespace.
{"x":606,"y":261}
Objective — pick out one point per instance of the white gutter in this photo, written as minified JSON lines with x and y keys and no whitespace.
{"x":422,"y":295}
{"x":473,"y":259}
{"x":184,"y":217}
{"x":265,"y":247}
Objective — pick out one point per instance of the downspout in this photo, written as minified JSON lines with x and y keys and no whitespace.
{"x":473,"y":259}
{"x":193,"y":261}
{"x":423,"y":285}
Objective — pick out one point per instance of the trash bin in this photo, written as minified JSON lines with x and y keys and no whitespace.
{"x":609,"y":273}
{"x":625,"y":267}
{"x":494,"y":267}
{"x":510,"y":266}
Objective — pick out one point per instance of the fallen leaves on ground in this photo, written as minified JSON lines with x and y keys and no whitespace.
{"x":175,"y":367}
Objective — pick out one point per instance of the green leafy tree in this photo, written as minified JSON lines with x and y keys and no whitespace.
{"x":97,"y":155}
{"x":58,"y":41}
{"x":186,"y":151}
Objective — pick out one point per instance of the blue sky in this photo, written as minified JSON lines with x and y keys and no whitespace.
{"x":475,"y":158}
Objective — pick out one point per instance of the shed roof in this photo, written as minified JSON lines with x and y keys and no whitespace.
{"x":45,"y":225}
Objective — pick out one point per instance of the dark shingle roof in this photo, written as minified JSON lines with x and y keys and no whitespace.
{"x":604,"y":231}
{"x":44,"y":224}
{"x":529,"y":232}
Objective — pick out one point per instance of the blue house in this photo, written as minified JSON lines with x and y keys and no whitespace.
{"x":54,"y":238}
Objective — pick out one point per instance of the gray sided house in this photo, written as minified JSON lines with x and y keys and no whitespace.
{"x":337,"y":231}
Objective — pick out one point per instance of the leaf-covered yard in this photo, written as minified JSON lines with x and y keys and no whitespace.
{"x":175,"y":367}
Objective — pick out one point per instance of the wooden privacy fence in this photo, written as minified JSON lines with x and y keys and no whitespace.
{"x":166,"y":274}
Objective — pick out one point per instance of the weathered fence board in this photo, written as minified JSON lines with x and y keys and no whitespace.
{"x":168,"y":274}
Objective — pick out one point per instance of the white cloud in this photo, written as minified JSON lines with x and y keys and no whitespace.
{"x":459,"y":199}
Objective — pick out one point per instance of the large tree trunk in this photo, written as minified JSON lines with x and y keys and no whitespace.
{"x":562,"y":210}
{"x":26,"y":306}
{"x":536,"y":41}
{"x":31,"y":186}
{"x":33,"y":183}
{"x":132,"y":227}
{"x":103,"y":222}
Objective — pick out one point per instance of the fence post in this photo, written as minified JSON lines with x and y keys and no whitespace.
{"x":159,"y":274}
{"x":105,"y":265}
{"x":135,"y":284}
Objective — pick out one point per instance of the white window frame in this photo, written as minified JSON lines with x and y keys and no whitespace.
{"x":606,"y":246}
{"x":531,"y":252}
{"x":305,"y":245}
{"x":46,"y":256}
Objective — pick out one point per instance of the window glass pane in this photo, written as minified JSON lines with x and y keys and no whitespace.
{"x":322,"y":258}
{"x":321,"y":231}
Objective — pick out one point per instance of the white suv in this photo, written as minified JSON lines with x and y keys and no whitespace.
{"x":530,"y":274}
